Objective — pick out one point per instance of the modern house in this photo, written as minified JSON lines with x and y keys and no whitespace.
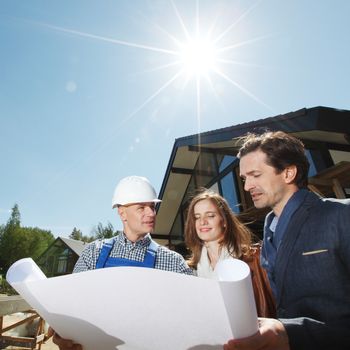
{"x":60,"y":257}
{"x":209,"y":160}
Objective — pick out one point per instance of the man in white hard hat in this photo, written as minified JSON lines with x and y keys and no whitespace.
{"x":135,"y":199}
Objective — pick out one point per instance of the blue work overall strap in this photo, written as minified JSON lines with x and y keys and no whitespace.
{"x":150,"y":256}
{"x":104,"y":253}
{"x":105,"y":260}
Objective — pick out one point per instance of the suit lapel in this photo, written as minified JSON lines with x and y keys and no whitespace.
{"x":290,"y":237}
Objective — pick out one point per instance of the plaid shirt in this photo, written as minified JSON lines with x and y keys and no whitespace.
{"x":166,"y":259}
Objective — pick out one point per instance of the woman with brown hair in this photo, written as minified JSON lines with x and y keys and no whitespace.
{"x":214,"y":233}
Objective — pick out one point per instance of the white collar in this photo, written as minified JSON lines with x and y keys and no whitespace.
{"x":204,"y":268}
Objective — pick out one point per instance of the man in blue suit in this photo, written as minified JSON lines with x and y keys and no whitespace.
{"x":306,"y":249}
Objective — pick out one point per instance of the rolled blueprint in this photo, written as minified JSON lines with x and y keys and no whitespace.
{"x":237,"y":292}
{"x":24,"y":270}
{"x":74,"y":305}
{"x":22,"y":273}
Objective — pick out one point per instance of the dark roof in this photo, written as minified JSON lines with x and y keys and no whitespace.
{"x":76,"y":246}
{"x":324,"y":125}
{"x":305,"y":119}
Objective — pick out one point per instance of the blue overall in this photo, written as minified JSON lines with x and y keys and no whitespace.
{"x":104,"y":260}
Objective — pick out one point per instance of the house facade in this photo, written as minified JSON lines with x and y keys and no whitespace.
{"x":210,"y":160}
{"x":60,"y":257}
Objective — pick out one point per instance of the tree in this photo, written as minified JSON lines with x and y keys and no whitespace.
{"x":2,"y":230}
{"x":100,"y":232}
{"x":15,"y":218}
{"x":76,"y":234}
{"x":18,"y":242}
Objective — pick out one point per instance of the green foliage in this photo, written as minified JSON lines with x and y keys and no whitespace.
{"x":5,"y":288}
{"x":18,"y":242}
{"x":100,"y":231}
{"x":78,"y":235}
{"x":15,"y":218}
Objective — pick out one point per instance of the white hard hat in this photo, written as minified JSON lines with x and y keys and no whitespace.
{"x":134,"y":189}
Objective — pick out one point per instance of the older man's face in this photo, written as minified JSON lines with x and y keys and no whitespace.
{"x":138,"y":219}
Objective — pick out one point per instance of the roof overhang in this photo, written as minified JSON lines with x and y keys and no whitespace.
{"x":318,"y":124}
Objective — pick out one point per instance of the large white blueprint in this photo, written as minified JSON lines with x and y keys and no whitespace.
{"x":132,"y":308}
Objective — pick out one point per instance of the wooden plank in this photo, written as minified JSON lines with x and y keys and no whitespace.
{"x":313,"y":188}
{"x":332,"y":181}
{"x":12,"y":304}
{"x":26,"y":342}
{"x":16,"y":324}
{"x":338,"y":189}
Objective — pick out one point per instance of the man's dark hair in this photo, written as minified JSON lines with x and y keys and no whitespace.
{"x":282,"y":150}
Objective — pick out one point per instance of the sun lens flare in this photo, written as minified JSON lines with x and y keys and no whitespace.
{"x":202,"y":55}
{"x":198,"y":57}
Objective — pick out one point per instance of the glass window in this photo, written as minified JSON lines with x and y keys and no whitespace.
{"x":62,"y":264}
{"x":215,"y":187}
{"x":50,"y":264}
{"x":206,"y":169}
{"x":191,"y":190}
{"x":177,"y":229}
{"x":226,"y":161}
{"x":312,"y":169}
{"x":229,"y":191}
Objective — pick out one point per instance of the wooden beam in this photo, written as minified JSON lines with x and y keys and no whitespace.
{"x":12,"y":304}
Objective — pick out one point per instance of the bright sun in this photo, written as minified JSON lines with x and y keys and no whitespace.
{"x":198,"y":57}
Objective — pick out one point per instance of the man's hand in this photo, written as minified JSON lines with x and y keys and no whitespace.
{"x":271,"y":336}
{"x":63,"y":344}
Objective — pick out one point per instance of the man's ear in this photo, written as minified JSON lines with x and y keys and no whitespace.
{"x":122,"y":213}
{"x":290,"y":173}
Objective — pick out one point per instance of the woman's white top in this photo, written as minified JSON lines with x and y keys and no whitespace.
{"x":204,"y":268}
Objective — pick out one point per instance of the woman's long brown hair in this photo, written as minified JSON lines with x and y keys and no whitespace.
{"x":236,"y":238}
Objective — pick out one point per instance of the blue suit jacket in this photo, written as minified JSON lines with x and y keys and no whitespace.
{"x":312,"y":275}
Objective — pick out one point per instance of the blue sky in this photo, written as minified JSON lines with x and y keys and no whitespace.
{"x":92,"y":91}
